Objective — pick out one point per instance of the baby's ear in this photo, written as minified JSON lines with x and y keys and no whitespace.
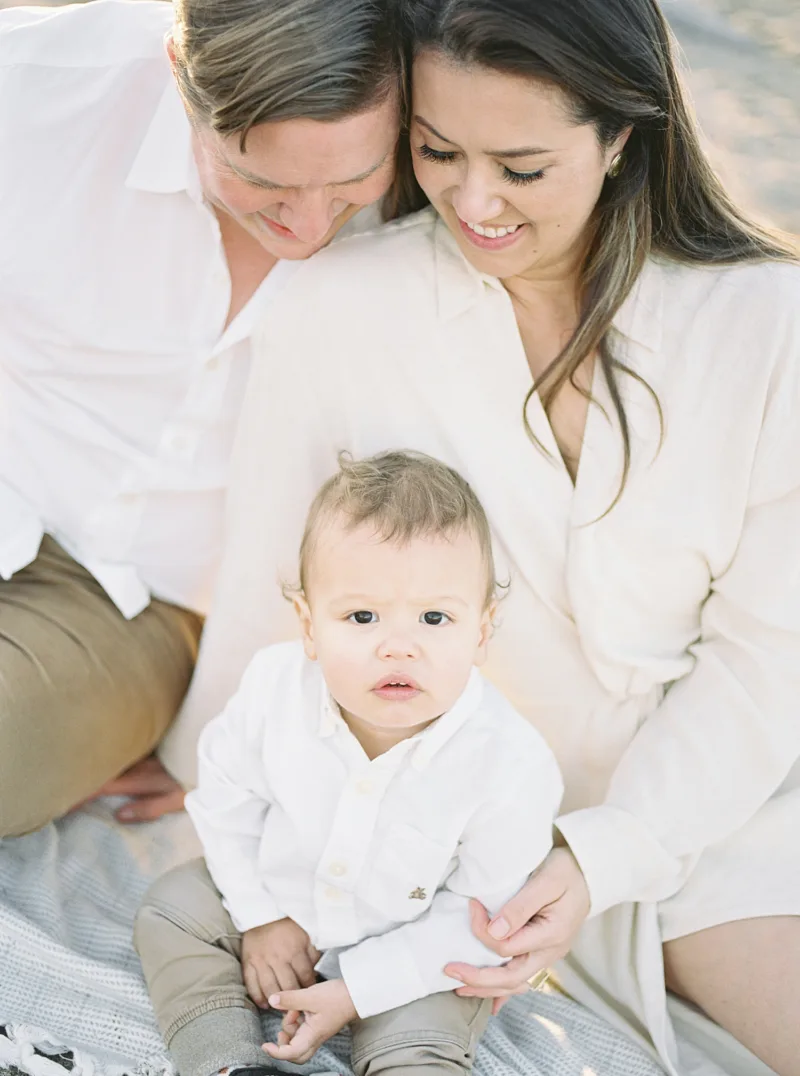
{"x":303,"y":610}
{"x":486,"y":631}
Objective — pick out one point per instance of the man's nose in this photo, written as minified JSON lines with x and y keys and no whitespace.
{"x":310,"y":216}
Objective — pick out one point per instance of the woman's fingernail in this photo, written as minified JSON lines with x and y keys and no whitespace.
{"x":127,"y":814}
{"x":498,"y":928}
{"x":274,"y":999}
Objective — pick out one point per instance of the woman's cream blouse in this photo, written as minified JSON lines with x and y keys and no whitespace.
{"x":657,"y":645}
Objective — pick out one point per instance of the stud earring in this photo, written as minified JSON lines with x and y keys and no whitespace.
{"x":616,"y":166}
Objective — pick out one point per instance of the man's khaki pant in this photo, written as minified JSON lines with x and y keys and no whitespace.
{"x":84,"y":693}
{"x":190,"y":952}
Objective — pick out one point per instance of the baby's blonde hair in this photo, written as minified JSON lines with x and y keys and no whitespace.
{"x":404,"y":495}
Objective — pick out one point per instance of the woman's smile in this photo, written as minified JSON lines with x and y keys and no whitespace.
{"x":492,"y":237}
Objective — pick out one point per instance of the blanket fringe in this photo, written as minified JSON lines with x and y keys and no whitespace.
{"x":31,"y":1050}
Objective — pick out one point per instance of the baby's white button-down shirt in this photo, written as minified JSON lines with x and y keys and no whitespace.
{"x":376,"y":860}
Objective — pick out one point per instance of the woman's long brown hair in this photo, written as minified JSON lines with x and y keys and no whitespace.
{"x":615,"y":61}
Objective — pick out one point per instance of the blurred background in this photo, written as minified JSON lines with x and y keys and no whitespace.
{"x":742,"y":67}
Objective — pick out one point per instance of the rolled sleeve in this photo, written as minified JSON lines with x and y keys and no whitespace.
{"x":381,"y":974}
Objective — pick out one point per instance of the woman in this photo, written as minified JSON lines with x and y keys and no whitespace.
{"x":584,"y":266}
{"x":153,"y":199}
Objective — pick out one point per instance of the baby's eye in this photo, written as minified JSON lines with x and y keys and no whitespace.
{"x":433,"y":617}
{"x":363,"y":616}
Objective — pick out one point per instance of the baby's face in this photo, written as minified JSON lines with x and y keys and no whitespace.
{"x":396,"y":628}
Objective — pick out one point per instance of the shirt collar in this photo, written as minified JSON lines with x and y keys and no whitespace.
{"x":165,"y":163}
{"x":330,"y":717}
{"x":460,"y":286}
{"x":426,"y":744}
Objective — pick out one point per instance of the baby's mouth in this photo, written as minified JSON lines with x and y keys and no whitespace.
{"x":397,"y":688}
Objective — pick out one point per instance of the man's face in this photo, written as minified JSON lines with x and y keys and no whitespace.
{"x":300,"y":180}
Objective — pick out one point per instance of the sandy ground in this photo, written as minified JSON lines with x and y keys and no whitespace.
{"x":742,"y":62}
{"x":743,"y":73}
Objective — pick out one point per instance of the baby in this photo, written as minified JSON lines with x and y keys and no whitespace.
{"x":361,"y":787}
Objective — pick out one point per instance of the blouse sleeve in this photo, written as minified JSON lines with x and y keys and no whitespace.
{"x":726,"y":735}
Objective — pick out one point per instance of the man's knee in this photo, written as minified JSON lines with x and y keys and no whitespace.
{"x":30,"y":793}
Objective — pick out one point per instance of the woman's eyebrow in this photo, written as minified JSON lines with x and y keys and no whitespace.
{"x":523,"y":151}
{"x":432,"y":129}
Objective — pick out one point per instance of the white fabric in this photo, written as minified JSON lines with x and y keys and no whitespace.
{"x":71,"y":977}
{"x":296,"y":820}
{"x":656,"y":647}
{"x":119,"y":385}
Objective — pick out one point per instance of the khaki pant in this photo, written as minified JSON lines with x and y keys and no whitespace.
{"x":190,"y":952}
{"x":84,"y":693}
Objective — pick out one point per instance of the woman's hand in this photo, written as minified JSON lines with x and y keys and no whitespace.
{"x":151,"y":790}
{"x":535,"y":928}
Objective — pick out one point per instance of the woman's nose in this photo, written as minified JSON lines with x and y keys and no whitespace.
{"x":475,"y":201}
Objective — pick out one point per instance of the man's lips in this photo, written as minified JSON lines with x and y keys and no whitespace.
{"x":280,"y":229}
{"x":397,"y":688}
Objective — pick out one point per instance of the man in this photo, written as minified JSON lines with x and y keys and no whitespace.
{"x":159,"y":172}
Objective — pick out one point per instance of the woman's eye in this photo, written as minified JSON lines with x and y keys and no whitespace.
{"x":433,"y":618}
{"x":429,"y":154}
{"x":521,"y":179}
{"x":363,"y":616}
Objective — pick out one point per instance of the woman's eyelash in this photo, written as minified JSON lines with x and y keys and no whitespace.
{"x":522,"y":179}
{"x":429,"y":154}
{"x":518,"y":179}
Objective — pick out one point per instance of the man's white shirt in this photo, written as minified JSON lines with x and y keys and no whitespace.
{"x":376,"y":860}
{"x":120,"y":387}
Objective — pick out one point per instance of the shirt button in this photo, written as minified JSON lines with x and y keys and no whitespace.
{"x":337,"y":870}
{"x":332,"y":893}
{"x":364,"y":787}
{"x":177,"y":442}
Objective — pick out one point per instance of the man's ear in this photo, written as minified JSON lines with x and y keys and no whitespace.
{"x":169,"y":45}
{"x":486,"y":632}
{"x":303,"y":610}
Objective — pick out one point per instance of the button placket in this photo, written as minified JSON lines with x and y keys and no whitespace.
{"x":343,"y":858}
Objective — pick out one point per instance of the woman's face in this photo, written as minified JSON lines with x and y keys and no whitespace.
{"x":300,"y":180}
{"x":503,"y":162}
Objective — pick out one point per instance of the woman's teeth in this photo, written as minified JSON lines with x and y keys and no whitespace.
{"x":492,"y":233}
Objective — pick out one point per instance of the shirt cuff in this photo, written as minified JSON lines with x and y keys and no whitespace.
{"x":22,"y":532}
{"x":252,"y":911}
{"x":381,"y":974}
{"x":620,"y":858}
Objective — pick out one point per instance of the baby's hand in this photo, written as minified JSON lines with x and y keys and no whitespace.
{"x":277,"y":956}
{"x":312,"y":1017}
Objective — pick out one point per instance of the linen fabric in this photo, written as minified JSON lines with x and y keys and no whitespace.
{"x":655,"y":645}
{"x":191,"y":957}
{"x":120,"y":386}
{"x":84,"y":693}
{"x":375,"y":859}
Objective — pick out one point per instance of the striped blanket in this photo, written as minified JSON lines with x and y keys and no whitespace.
{"x":72,"y":996}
